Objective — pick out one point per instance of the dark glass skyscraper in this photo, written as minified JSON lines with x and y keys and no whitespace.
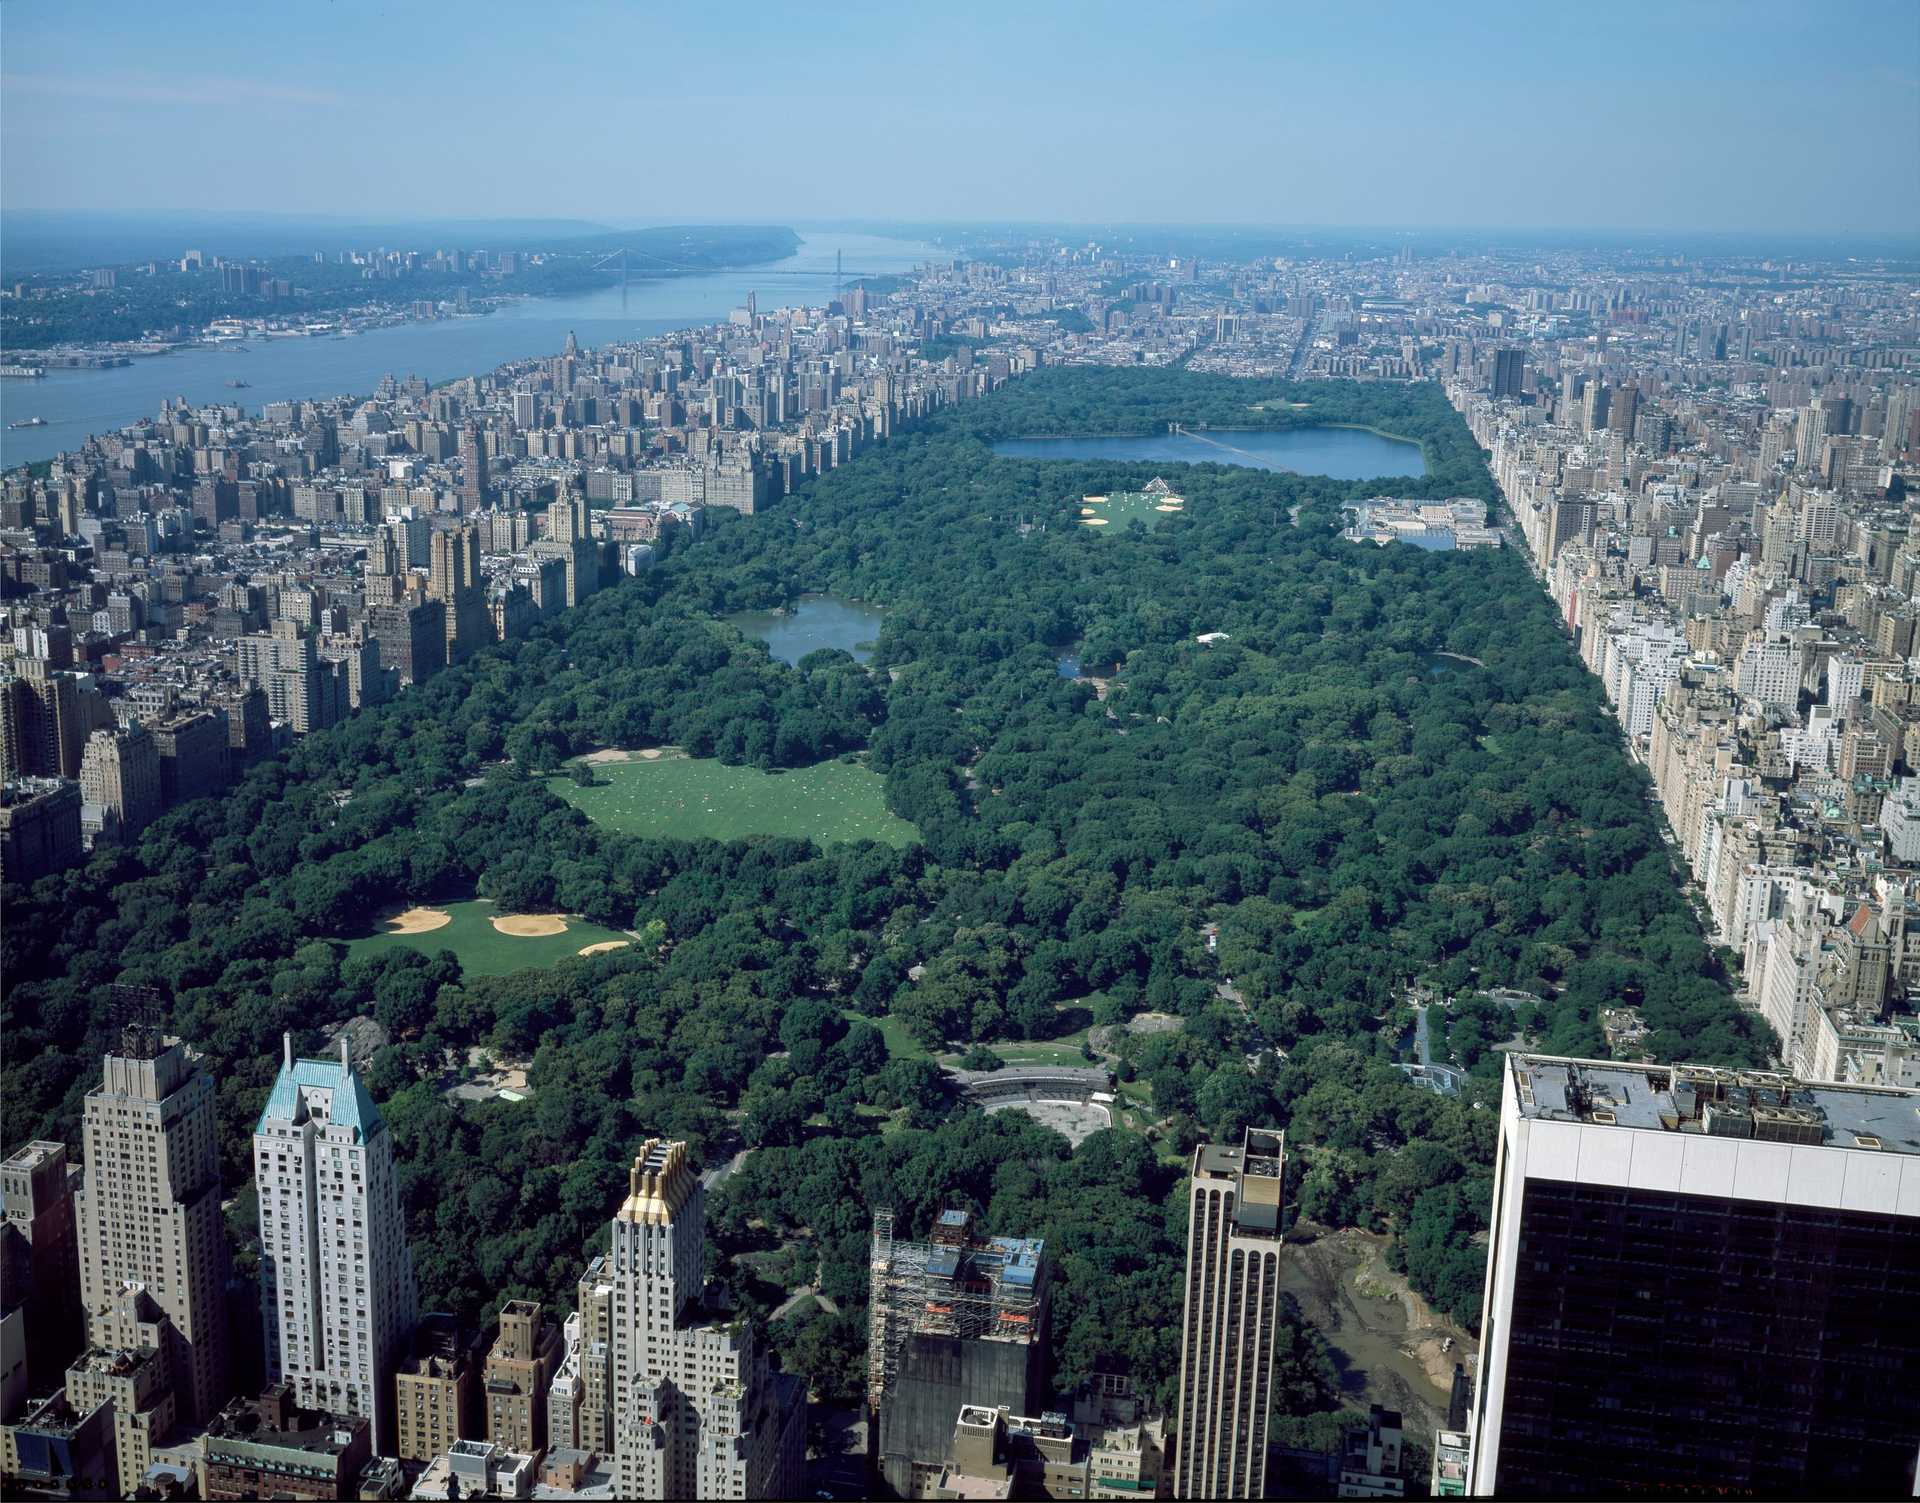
{"x":1509,"y":374}
{"x":1700,"y":1280}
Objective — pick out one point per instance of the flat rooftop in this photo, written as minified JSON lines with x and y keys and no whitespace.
{"x":1703,"y":1099}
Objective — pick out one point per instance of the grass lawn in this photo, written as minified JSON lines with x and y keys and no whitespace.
{"x":1061,"y":1051}
{"x":690,"y":798}
{"x":482,"y":949}
{"x":900,"y":1043}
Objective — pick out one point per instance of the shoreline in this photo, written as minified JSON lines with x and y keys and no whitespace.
{"x":364,"y":321}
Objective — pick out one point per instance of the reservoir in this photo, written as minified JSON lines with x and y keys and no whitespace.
{"x":1339,"y":453}
{"x":77,"y":404}
{"x":815,"y":621}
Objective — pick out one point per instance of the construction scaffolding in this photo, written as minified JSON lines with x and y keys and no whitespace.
{"x":955,"y":1284}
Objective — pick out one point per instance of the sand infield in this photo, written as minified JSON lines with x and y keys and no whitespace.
{"x":1093,"y":521}
{"x":604,"y":946}
{"x":530,"y":925}
{"x":418,"y":921}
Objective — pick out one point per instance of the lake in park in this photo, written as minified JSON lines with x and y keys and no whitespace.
{"x":815,"y":621}
{"x":1339,"y":453}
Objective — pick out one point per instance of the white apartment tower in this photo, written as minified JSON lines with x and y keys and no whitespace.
{"x":336,"y":1280}
{"x":148,"y":1211}
{"x":1234,"y":1200}
{"x":1769,"y":670}
{"x":697,"y":1412}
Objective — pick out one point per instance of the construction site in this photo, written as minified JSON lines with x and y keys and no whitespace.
{"x":956,"y":1319}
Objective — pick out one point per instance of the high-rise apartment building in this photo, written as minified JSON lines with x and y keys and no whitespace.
{"x":455,"y":580}
{"x":1235,"y":1199}
{"x":1699,"y":1280}
{"x":698,"y":1412}
{"x":120,"y":776}
{"x":130,"y":1366}
{"x":1622,"y":408}
{"x":520,"y":1367}
{"x":412,"y":638}
{"x":148,"y":1206}
{"x":40,"y":1297}
{"x":580,"y":1398}
{"x":39,"y":827}
{"x":437,"y":1390}
{"x":286,"y":664}
{"x":336,"y":1280}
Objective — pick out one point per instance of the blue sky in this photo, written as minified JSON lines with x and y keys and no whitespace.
{"x":1618,"y":115}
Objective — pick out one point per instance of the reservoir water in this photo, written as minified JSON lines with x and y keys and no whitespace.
{"x":77,"y":404}
{"x":1340,"y":453}
{"x":815,"y":621}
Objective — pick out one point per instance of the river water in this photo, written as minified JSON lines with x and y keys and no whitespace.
{"x":79,"y":403}
{"x":1340,"y":453}
{"x":815,"y":621}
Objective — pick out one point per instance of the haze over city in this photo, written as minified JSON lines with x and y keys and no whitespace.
{"x":980,"y":752}
{"x":1634,"y":116}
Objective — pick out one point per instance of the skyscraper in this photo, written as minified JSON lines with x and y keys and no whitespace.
{"x":1699,"y":1279}
{"x":1622,"y":409}
{"x":1593,"y":411}
{"x":148,"y":1208}
{"x":697,"y":1411}
{"x":958,"y":1320}
{"x":455,"y":580}
{"x":336,"y":1280}
{"x":1509,"y":374}
{"x":473,"y":469}
{"x":1234,"y":1203}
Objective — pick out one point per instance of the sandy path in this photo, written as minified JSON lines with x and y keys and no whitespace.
{"x":530,"y":925}
{"x":418,"y":921}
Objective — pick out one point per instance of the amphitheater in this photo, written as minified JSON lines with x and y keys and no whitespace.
{"x":1074,"y":1101}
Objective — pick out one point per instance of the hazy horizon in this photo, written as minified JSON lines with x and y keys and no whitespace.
{"x":1671,"y":119}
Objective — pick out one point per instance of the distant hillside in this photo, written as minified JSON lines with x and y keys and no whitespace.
{"x":38,"y":241}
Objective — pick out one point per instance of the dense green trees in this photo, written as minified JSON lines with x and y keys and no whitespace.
{"x":1352,"y":813}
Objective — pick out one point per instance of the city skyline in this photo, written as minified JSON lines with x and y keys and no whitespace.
{"x":1641,"y":118}
{"x":1153,"y":822}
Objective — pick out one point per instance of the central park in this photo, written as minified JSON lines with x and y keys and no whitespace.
{"x":709,"y":892}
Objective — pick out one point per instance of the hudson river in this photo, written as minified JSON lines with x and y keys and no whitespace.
{"x":79,"y":403}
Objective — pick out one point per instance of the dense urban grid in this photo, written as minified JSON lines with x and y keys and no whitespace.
{"x":1277,"y":925}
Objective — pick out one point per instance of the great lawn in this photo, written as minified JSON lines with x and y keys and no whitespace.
{"x":673,"y":796}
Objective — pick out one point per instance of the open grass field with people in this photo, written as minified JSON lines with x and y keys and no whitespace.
{"x":673,"y":796}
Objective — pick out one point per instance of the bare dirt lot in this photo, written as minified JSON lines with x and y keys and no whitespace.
{"x":418,"y":921}
{"x":531,"y":925}
{"x":1394,"y":1346}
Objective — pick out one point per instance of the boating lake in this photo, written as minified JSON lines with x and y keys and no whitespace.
{"x":815,"y":621}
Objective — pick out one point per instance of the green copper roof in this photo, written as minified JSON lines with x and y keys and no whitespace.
{"x":352,"y":1106}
